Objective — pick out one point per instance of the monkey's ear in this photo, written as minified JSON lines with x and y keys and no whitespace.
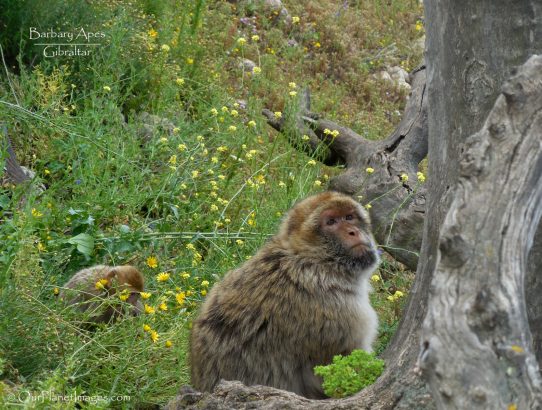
{"x":113,"y":273}
{"x":112,"y":277}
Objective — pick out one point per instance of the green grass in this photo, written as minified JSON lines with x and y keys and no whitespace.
{"x":199,"y":192}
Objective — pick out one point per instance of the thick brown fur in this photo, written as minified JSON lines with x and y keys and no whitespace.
{"x":302,"y":299}
{"x":104,"y":305}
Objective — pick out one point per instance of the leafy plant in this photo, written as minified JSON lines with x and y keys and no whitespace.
{"x":349,"y":374}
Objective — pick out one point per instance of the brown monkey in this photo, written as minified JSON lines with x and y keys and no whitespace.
{"x":303,"y":298}
{"x":99,"y":291}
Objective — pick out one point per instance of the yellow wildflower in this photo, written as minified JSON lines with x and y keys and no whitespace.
{"x":232,"y":128}
{"x":162,"y":306}
{"x":255,"y":38}
{"x":295,"y":19}
{"x":152,"y":33}
{"x":317,"y":183}
{"x":292,"y":84}
{"x":100,"y":285}
{"x":124,"y":296}
{"x":172,"y":160}
{"x":398,"y":294}
{"x":149,"y":309}
{"x":369,"y":170}
{"x":234,"y":113}
{"x":162,"y":277}
{"x":185,"y":275}
{"x":375,"y":278}
{"x":195,"y":174}
{"x":404,"y":177}
{"x":180,"y":298}
{"x":251,"y":123}
{"x":165,"y":48}
{"x":36,"y":213}
{"x":327,"y":131}
{"x":368,"y":206}
{"x":154,"y":336}
{"x":419,"y":26}
{"x":335,"y":133}
{"x":239,"y":242}
{"x":278,"y":114}
{"x":292,"y":93}
{"x":420,"y":176}
{"x":189,"y":60}
{"x":168,"y":343}
{"x":152,"y":262}
{"x":256,"y":70}
{"x":146,"y":328}
{"x":145,"y":295}
{"x":181,"y":147}
{"x":214,"y":111}
{"x":179,"y":81}
{"x":106,"y":88}
{"x":56,"y":291}
{"x":203,"y":292}
{"x":190,"y":247}
{"x":204,"y":283}
{"x":241,"y":41}
{"x":305,"y":138}
{"x":311,"y":162}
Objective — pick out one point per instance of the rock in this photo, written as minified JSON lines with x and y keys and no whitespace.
{"x":395,"y":75}
{"x":152,"y":124}
{"x":247,"y":65}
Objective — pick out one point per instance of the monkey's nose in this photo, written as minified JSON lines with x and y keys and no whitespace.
{"x":352,"y":233}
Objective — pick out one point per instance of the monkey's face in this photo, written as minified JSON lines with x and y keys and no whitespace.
{"x":347,"y":235}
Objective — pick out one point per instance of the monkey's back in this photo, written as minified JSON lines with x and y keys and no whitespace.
{"x":273,"y":319}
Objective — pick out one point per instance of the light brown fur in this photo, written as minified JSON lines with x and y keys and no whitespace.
{"x":103,"y":305}
{"x":298,"y":302}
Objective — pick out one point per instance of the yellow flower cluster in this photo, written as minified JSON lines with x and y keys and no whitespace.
{"x":396,"y":296}
{"x":36,"y":213}
{"x":100,"y":285}
{"x":333,"y":133}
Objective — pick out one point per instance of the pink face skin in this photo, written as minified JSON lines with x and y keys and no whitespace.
{"x":345,"y":226}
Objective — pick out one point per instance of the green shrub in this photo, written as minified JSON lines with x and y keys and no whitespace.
{"x":349,"y":374}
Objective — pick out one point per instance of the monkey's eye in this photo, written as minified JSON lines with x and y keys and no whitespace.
{"x":349,"y":217}
{"x":330,"y":221}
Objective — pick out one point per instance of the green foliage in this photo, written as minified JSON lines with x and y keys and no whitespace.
{"x":349,"y":374}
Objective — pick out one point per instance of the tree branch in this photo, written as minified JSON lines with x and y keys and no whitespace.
{"x":398,"y":209}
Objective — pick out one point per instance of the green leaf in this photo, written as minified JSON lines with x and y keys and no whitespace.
{"x":84,"y":243}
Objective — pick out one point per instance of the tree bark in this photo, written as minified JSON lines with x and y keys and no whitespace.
{"x":477,"y":349}
{"x":471,"y":49}
{"x":13,"y":170}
